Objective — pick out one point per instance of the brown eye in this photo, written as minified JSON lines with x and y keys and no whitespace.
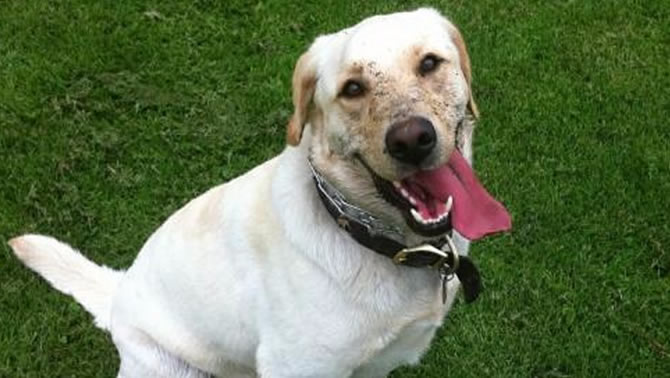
{"x":429,"y":64}
{"x":352,"y":88}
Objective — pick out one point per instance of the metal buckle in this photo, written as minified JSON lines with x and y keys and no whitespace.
{"x":402,"y":255}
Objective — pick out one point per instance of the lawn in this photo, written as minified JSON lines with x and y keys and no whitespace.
{"x":113,"y":114}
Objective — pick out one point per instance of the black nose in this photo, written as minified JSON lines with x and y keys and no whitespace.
{"x":412,"y":140}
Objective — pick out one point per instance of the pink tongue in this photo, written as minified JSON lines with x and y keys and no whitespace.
{"x":474,"y":213}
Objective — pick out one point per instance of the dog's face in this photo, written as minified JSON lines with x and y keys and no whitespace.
{"x":388,"y":102}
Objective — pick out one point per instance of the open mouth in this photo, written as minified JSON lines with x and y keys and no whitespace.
{"x":424,"y":213}
{"x":450,"y":196}
{"x":429,"y":215}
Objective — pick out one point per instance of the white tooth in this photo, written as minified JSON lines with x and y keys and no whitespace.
{"x":404,"y":192}
{"x":412,"y":200}
{"x":450,"y":202}
{"x":416,"y":216}
{"x":397,"y":184}
{"x":442,"y":217}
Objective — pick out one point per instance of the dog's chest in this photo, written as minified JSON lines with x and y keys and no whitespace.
{"x":394,"y":348}
{"x":403,"y":342}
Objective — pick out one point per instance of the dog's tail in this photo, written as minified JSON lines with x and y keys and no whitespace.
{"x":68,"y":271}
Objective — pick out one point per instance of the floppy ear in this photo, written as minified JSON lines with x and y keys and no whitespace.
{"x":457,"y":39}
{"x":304,"y":81}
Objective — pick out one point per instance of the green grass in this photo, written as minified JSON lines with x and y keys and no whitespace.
{"x":115,"y":113}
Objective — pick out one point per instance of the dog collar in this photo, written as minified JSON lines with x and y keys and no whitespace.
{"x":373,"y":233}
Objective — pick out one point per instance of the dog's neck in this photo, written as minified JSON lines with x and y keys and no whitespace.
{"x":372,"y":233}
{"x":367,"y":229}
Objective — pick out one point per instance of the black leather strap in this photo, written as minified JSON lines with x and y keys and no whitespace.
{"x":379,"y":243}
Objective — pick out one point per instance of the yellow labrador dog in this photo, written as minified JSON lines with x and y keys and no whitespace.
{"x":337,"y":258}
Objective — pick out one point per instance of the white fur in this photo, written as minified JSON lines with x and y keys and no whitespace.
{"x":254,"y":278}
{"x":68,"y":271}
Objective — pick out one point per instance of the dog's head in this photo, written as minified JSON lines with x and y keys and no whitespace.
{"x":391,"y":111}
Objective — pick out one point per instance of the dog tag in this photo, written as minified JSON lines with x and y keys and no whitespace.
{"x":469,"y":276}
{"x":444,"y":279}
